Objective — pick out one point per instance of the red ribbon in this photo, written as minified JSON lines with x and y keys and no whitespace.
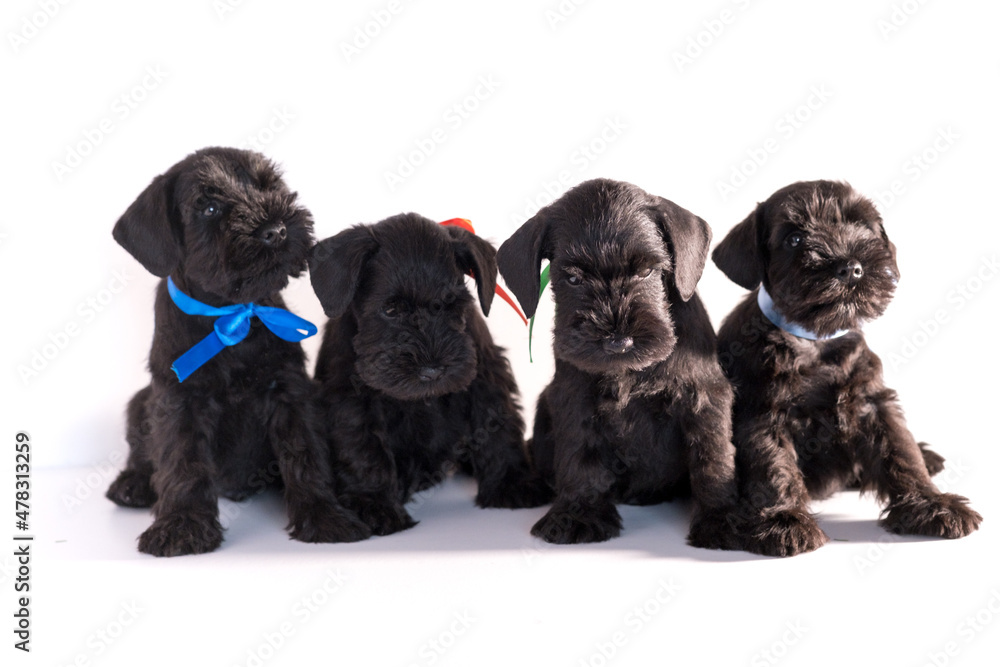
{"x":467,"y":226}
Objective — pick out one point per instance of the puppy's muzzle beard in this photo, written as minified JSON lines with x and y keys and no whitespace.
{"x":418,"y":370}
{"x":623,"y":353}
{"x":262,"y":260}
{"x":264,"y":277}
{"x":846,"y":295}
{"x":419,"y":381}
{"x":616,"y":349}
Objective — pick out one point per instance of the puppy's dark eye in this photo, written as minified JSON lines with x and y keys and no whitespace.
{"x":211,"y":210}
{"x":642,"y":275}
{"x":390,"y":311}
{"x":793,"y":240}
{"x":574,"y":280}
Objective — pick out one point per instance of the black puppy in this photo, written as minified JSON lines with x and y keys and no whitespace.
{"x":812,"y":414}
{"x":411,"y":380}
{"x":223,"y":418}
{"x":638,"y":410}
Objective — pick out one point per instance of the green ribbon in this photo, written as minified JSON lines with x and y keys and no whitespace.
{"x":544,"y":278}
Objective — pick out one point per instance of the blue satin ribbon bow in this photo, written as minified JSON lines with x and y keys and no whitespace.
{"x":232,"y":327}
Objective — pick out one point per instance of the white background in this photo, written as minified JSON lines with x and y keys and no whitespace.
{"x":606,"y":77}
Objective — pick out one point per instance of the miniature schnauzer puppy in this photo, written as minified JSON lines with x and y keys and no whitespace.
{"x":412,"y":383}
{"x":812,"y":414}
{"x":639,"y":410}
{"x":225,"y":233}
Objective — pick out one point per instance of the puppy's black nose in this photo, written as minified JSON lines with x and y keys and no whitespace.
{"x":430,"y":373}
{"x":618,"y":345}
{"x":850,"y":271}
{"x":272,"y":233}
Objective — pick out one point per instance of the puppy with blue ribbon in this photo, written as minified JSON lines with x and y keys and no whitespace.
{"x":230,"y":410}
{"x":232,"y":327}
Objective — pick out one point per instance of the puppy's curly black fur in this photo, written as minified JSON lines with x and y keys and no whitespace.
{"x":813,"y":416}
{"x":412,"y":383}
{"x":225,"y":226}
{"x":639,"y":409}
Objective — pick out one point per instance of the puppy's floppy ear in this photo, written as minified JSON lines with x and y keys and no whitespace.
{"x":335,"y":266}
{"x":146,"y":229}
{"x":520,"y":259}
{"x":476,"y":256}
{"x":740,"y":255}
{"x":690,"y":237}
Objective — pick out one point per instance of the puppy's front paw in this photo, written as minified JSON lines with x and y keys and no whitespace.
{"x":326,"y":522}
{"x":181,"y":534}
{"x":943,"y":515}
{"x":593,"y":523}
{"x":132,"y":489}
{"x":785,"y":533}
{"x":381,"y":516}
{"x":715,"y":529}
{"x":529,"y":491}
{"x":933,"y":460}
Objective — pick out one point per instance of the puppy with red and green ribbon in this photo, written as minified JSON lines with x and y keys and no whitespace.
{"x":413,"y":386}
